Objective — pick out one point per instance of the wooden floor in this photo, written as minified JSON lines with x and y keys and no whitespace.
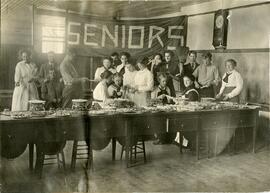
{"x":166,"y":171}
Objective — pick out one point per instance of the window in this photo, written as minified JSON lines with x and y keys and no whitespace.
{"x":53,"y":34}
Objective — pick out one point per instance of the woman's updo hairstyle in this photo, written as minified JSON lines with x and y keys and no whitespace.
{"x":158,"y":54}
{"x":24,"y":50}
{"x":143,"y":61}
{"x":125,"y":54}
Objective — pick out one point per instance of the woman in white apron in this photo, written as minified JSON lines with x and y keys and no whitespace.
{"x":232,"y":83}
{"x":26,"y":76}
{"x":143,"y":84}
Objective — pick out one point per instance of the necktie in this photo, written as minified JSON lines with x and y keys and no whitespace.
{"x":226,"y":78}
{"x":193,"y":66}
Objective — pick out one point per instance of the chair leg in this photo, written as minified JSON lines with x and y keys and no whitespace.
{"x":131,"y":152}
{"x":144,"y":152}
{"x":58,"y":161}
{"x":89,"y":163}
{"x":135,"y":152}
{"x":208,"y":144}
{"x":31,"y":156}
{"x":41,"y":165}
{"x":180,"y":142}
{"x":234,"y":141}
{"x":74,"y":155}
{"x":197,"y":146}
{"x":243,"y":135}
{"x":63,"y":159}
{"x":216,"y":143}
{"x":122,"y":151}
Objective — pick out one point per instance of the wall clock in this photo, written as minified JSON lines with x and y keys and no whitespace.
{"x":220,"y":29}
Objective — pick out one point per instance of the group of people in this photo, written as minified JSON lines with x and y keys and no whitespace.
{"x":164,"y":78}
{"x":118,"y":77}
{"x":56,"y":84}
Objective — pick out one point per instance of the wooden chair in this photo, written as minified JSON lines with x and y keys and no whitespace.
{"x":136,"y":149}
{"x":48,"y":154}
{"x":82,"y":151}
{"x":50,"y":147}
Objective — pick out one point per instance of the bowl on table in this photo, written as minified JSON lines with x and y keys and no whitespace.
{"x":79,"y":104}
{"x":36,"y":105}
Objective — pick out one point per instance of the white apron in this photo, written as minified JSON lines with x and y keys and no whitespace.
{"x":141,"y":99}
{"x":26,"y":91}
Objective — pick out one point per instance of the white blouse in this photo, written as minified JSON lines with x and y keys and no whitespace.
{"x":101,"y":92}
{"x":144,"y":80}
{"x":100,"y":70}
{"x":119,"y":68}
{"x":128,"y":78}
{"x":234,"y":80}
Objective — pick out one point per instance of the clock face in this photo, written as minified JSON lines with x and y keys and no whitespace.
{"x":219,"y":21}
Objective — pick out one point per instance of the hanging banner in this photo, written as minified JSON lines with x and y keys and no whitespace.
{"x":98,"y":37}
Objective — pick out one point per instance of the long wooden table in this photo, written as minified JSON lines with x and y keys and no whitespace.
{"x":36,"y":130}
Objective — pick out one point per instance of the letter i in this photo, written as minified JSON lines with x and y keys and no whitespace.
{"x":123,"y":36}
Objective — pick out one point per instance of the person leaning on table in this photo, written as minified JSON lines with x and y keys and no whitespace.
{"x":100,"y":92}
{"x":115,"y":90}
{"x":72,"y":81}
{"x":143,"y":84}
{"x":232,"y":83}
{"x":190,"y":93}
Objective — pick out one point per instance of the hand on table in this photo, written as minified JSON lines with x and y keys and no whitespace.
{"x":218,"y":96}
{"x":208,"y":84}
{"x":161,"y":96}
{"x":197,"y":85}
{"x":226,"y":97}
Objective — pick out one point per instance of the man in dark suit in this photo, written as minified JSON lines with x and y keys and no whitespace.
{"x":190,"y":67}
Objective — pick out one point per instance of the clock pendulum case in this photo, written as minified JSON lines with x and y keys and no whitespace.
{"x":220,"y":29}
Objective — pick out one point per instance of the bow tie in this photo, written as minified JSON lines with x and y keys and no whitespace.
{"x":226,"y":78}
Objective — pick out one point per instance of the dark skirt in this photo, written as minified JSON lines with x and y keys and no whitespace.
{"x":227,"y":90}
{"x":207,"y":92}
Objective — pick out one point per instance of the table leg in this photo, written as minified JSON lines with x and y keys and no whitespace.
{"x":254,"y":138}
{"x":127,"y":135}
{"x":113,"y":148}
{"x":31,"y":156}
{"x":197,"y":145}
{"x":255,"y":132}
{"x":39,"y":160}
